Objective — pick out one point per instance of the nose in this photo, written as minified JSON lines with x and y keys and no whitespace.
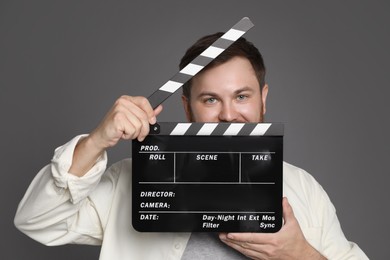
{"x":228,"y":113}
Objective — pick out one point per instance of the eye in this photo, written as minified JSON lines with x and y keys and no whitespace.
{"x":210,"y":100}
{"x":241,"y":97}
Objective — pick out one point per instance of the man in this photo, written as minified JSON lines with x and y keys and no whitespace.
{"x":76,"y":200}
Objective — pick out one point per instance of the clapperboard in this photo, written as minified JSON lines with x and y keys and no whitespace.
{"x":207,"y":177}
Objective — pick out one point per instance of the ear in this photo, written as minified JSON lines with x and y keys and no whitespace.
{"x":264,"y":93}
{"x":187,"y":108}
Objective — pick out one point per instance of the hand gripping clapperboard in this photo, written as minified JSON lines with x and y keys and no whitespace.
{"x":207,"y":177}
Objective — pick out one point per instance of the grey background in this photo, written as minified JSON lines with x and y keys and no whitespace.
{"x":63,"y":63}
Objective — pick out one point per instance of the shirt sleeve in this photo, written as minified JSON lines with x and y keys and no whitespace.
{"x":334,"y":244}
{"x":57,"y":208}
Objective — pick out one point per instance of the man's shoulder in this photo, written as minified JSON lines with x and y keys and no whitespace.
{"x":292,"y":169}
{"x":297,"y":176}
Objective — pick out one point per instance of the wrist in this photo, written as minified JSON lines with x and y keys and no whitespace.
{"x":312,"y":254}
{"x":85,"y":155}
{"x":93,"y":144}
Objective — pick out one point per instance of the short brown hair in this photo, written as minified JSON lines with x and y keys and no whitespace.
{"x":241,"y":48}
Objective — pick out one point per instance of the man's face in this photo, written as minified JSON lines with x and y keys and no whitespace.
{"x":229,"y":92}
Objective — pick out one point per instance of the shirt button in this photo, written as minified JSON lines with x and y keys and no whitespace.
{"x":177,"y":246}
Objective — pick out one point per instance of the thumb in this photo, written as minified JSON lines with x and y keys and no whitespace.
{"x":158,"y":110}
{"x":288,"y":213}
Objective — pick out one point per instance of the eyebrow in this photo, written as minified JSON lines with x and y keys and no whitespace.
{"x":246,"y":88}
{"x":238,"y":91}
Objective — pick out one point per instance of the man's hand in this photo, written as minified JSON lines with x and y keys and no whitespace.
{"x":129,"y":118}
{"x":288,"y":243}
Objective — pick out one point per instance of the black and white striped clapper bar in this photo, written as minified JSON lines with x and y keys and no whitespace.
{"x":207,"y":177}
{"x":201,"y":61}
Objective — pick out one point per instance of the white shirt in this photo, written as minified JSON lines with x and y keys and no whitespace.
{"x":60,"y":208}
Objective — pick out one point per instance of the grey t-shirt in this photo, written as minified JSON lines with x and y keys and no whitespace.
{"x":202,"y":246}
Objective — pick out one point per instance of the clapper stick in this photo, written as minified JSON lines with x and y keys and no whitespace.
{"x":201,"y":61}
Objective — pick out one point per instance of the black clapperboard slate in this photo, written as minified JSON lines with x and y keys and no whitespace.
{"x":208,"y":177}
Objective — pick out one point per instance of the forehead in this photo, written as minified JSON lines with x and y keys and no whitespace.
{"x":236,"y":73}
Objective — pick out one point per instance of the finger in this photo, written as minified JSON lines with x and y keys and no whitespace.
{"x":136,"y":127}
{"x":125,"y":104}
{"x":121,"y":126}
{"x":145,"y":124}
{"x":249,"y":250}
{"x":129,"y":133}
{"x":131,"y":127}
{"x":253,"y":238}
{"x":144,"y":104}
{"x":139,"y":120}
{"x":288,"y":213}
{"x":158,"y":110}
{"x":137,"y":117}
